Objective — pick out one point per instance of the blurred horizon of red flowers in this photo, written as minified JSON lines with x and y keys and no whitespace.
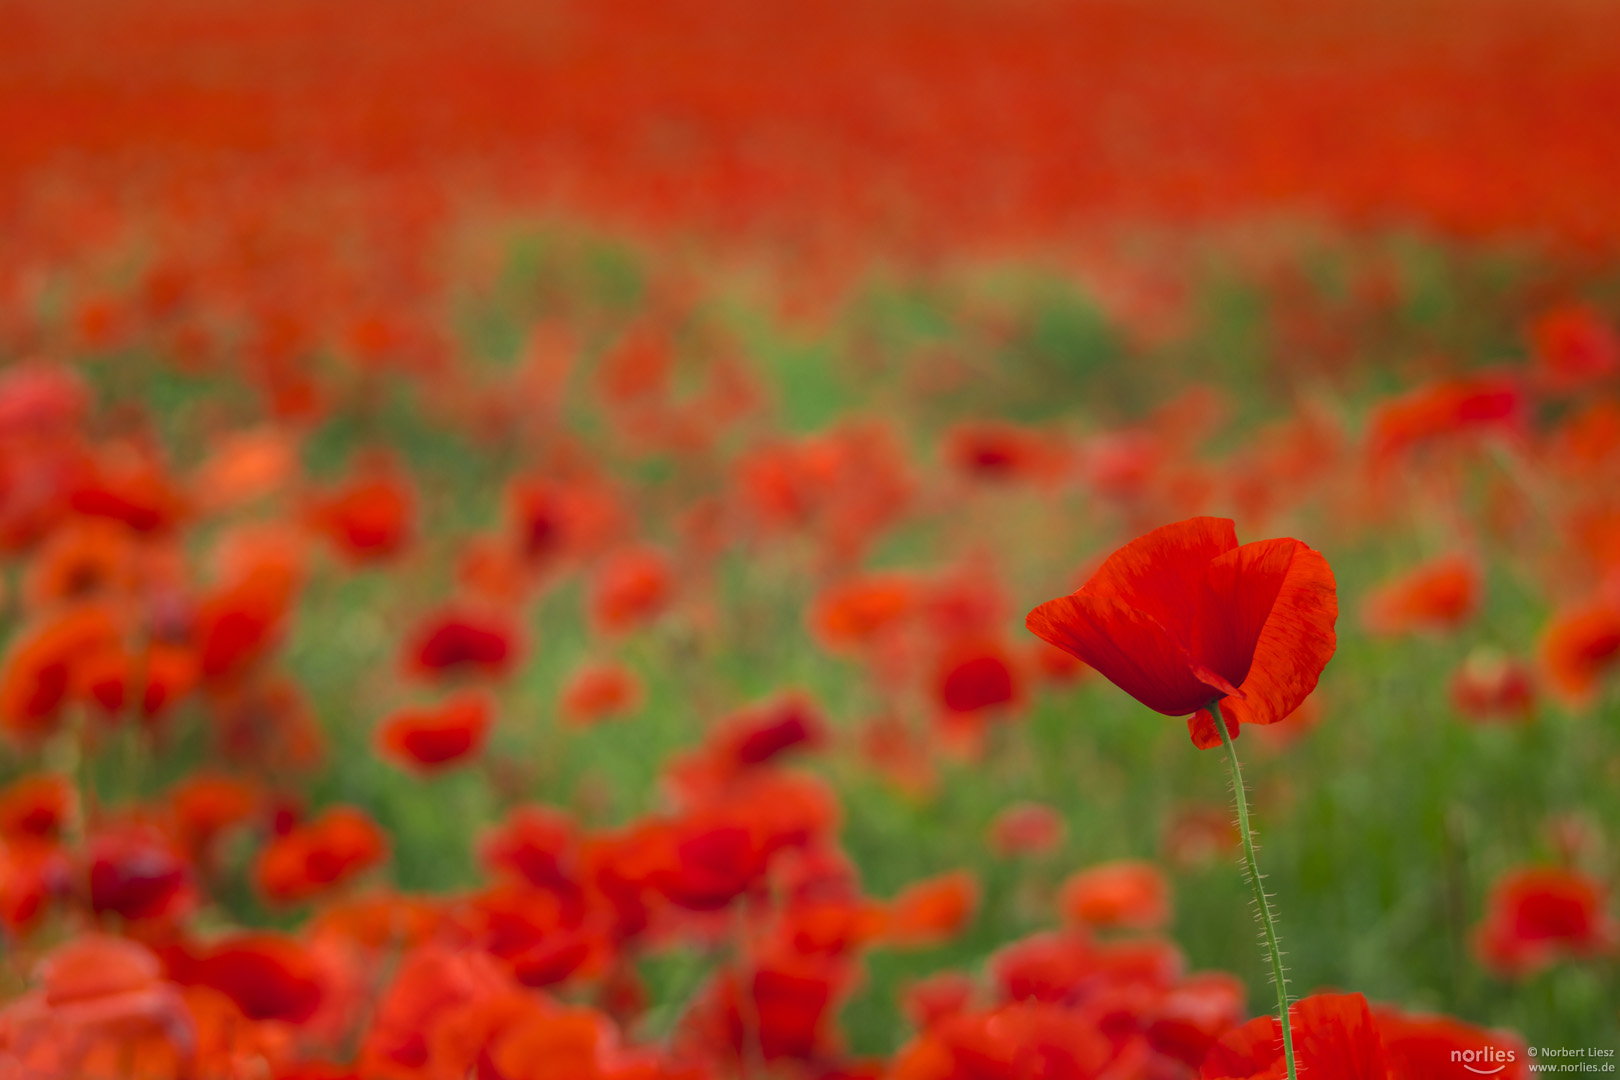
{"x":920,"y":127}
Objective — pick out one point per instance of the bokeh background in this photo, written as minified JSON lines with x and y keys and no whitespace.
{"x":683,"y":355}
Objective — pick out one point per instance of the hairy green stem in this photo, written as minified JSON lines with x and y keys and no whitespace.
{"x":1262,"y":904}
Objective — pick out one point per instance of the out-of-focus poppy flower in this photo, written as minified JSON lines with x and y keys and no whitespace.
{"x":1578,"y":646}
{"x":1127,"y":893}
{"x":1439,"y":595}
{"x":204,"y":806}
{"x":933,"y":911}
{"x":1195,"y":836}
{"x":268,"y":721}
{"x":1440,"y":1048}
{"x":33,"y":874}
{"x":371,"y":515}
{"x":430,"y":983}
{"x":600,"y":691}
{"x":245,"y":467}
{"x":764,"y":732}
{"x":109,"y":677}
{"x":320,"y":855}
{"x":1536,"y":914}
{"x":82,"y":560}
{"x":40,"y":666}
{"x":1196,"y":1012}
{"x":1019,"y":1040}
{"x":776,"y":1009}
{"x":535,"y":844}
{"x":709,"y":860}
{"x":136,"y":873}
{"x":542,"y":937}
{"x":130,"y":487}
{"x":975,"y":676}
{"x":1000,"y":452}
{"x":1572,"y":345}
{"x":1334,"y":1039}
{"x":462,"y":641}
{"x":102,"y":1008}
{"x":35,"y":807}
{"x":440,"y":735}
{"x":1489,"y":685}
{"x":379,"y":920}
{"x":1479,"y":403}
{"x":1183,"y":616}
{"x":1026,"y":829}
{"x":631,"y":587}
{"x":268,"y":976}
{"x":239,"y":621}
{"x":552,"y":519}
{"x":41,"y":399}
{"x":850,"y":615}
{"x":928,"y":1001}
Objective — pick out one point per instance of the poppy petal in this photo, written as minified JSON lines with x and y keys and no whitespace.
{"x":1157,"y":572}
{"x":1296,"y":641}
{"x":1132,"y":650}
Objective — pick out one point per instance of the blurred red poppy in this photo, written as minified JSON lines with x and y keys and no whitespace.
{"x":1026,"y":829}
{"x":1578,"y":647}
{"x":1335,"y":1038}
{"x":370,"y":517}
{"x":1183,"y":616}
{"x":934,"y":910}
{"x":1128,"y":893}
{"x":437,"y":736}
{"x":598,"y":692}
{"x":1536,"y":914}
{"x":1439,"y":595}
{"x":462,"y":641}
{"x":315,"y":857}
{"x":631,"y":587}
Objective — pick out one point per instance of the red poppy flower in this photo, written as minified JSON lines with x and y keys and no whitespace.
{"x":536,"y":844}
{"x":1573,"y":345}
{"x":1026,"y":829}
{"x":458,"y":641}
{"x":975,"y":676}
{"x":851,"y":615}
{"x":268,"y":976}
{"x":437,"y":736}
{"x":1196,"y":1012}
{"x":320,"y":855}
{"x":1578,"y":647}
{"x":1184,"y":616}
{"x":1535,"y":914}
{"x":35,"y":808}
{"x":1127,"y":893}
{"x":1441,"y":594}
{"x":1490,"y":686}
{"x":598,"y":692}
{"x":710,"y":860}
{"x":41,"y":665}
{"x":934,"y":910}
{"x":1440,"y":1048}
{"x":135,"y":873}
{"x":1334,"y":1039}
{"x":370,"y":517}
{"x":631,"y":587}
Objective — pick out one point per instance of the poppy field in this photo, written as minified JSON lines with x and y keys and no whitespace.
{"x":705,"y":540}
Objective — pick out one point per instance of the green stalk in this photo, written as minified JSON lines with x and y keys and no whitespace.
{"x":1262,"y":903}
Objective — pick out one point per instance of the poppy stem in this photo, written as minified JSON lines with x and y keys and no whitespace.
{"x":1262,"y":903}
